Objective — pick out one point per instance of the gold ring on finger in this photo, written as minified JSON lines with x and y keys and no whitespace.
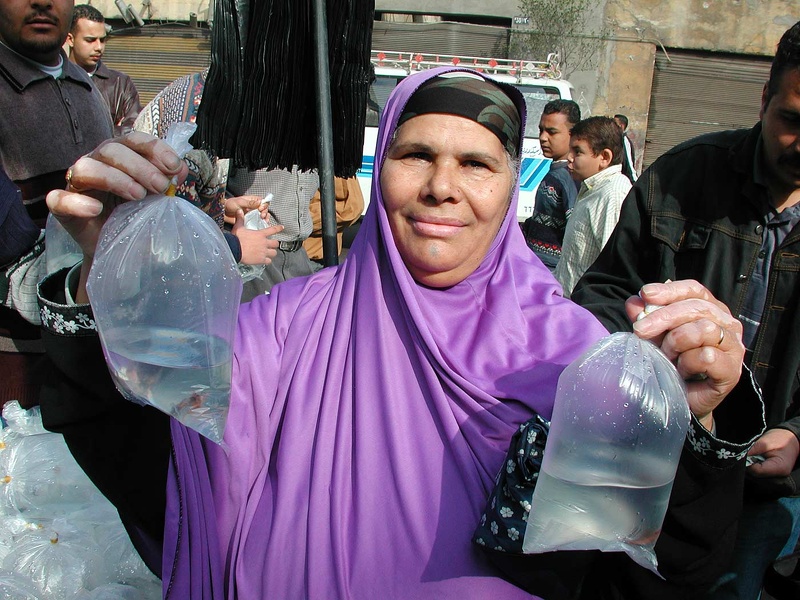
{"x":70,"y":186}
{"x":721,"y":335}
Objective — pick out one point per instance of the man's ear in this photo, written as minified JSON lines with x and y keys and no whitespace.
{"x":764,"y":100}
{"x":606,"y":156}
{"x":70,"y":40}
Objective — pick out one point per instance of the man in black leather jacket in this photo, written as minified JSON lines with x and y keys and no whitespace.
{"x":723,"y":209}
{"x":87,"y":41}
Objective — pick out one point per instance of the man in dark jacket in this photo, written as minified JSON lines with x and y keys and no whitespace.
{"x":87,"y":41}
{"x":723,"y":209}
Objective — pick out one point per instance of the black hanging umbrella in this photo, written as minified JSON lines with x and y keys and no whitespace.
{"x":288,"y":85}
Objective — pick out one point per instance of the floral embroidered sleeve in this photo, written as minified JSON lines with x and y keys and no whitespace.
{"x":739,"y":421}
{"x":59,"y":315}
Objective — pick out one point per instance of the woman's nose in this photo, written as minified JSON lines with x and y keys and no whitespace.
{"x":443,"y":184}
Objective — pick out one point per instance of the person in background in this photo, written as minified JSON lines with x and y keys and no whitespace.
{"x":629,"y":156}
{"x":595,"y":156}
{"x":206,"y":183}
{"x":292,"y":191}
{"x":50,"y":115}
{"x":213,"y":183}
{"x":87,"y":42}
{"x":349,"y":206}
{"x":21,"y":245}
{"x":556,"y":194}
{"x":723,"y":210}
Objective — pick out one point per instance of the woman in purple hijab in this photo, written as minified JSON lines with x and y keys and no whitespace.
{"x":373,"y":404}
{"x":370,"y":413}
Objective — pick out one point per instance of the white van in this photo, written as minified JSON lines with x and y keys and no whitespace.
{"x":539,"y":83}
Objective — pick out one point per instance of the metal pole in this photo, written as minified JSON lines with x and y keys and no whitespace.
{"x":330,"y":250}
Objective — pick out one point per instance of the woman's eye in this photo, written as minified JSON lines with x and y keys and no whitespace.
{"x":476,"y":164}
{"x":414,"y":156}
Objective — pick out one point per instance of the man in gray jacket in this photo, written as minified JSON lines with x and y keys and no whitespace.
{"x":50,"y":115}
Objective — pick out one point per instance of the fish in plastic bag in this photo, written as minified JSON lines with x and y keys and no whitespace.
{"x":619,"y":423}
{"x":165,"y":292}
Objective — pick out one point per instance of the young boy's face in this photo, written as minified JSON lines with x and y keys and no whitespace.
{"x":582,"y":162}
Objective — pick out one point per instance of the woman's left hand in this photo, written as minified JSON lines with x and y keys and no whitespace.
{"x":698,"y":334}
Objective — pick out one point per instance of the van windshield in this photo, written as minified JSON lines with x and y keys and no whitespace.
{"x":378,"y":95}
{"x":536,"y":96}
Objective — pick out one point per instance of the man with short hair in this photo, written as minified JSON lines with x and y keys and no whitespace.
{"x":595,"y":159}
{"x":50,"y":115}
{"x":724,"y":210}
{"x":87,"y":41}
{"x":628,"y":154}
{"x":555,"y":196}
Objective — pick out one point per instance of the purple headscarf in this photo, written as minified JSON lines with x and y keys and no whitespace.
{"x":369,"y":416}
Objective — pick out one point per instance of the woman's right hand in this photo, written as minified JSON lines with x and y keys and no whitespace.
{"x":118,"y":170}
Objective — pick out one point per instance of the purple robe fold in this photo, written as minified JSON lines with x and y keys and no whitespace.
{"x":369,"y":416}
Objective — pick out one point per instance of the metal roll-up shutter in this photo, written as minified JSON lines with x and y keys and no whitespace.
{"x":701,"y":92}
{"x":459,"y":39}
{"x":155,"y":56}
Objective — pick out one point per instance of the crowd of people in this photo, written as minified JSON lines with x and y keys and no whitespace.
{"x":372,"y":403}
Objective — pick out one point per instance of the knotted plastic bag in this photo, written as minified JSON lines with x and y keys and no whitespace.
{"x":165,"y":292}
{"x":21,"y":421}
{"x":60,"y":566}
{"x":39,"y":477}
{"x":14,"y":586}
{"x":619,"y":422}
{"x":112,"y":591}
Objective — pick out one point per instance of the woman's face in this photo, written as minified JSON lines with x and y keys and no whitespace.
{"x":446,"y":185}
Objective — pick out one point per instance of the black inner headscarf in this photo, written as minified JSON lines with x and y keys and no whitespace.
{"x":476,"y":99}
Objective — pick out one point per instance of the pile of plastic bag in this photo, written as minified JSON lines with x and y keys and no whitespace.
{"x":60,"y":539}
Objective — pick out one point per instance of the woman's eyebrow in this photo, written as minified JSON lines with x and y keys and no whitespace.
{"x":411,"y":146}
{"x":423,"y":148}
{"x":478,"y":156}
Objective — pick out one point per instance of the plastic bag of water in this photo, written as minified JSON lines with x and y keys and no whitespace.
{"x":253,"y":220}
{"x":165,"y":291}
{"x":619,"y":422}
{"x":61,"y":250}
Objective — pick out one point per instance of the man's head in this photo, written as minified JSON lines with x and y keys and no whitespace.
{"x":780,"y":115}
{"x":87,"y":37}
{"x":35,"y":29}
{"x":787,"y":57}
{"x":558,"y":118}
{"x":622,"y":121}
{"x":595,"y":145}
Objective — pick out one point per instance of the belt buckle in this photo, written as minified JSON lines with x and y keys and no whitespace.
{"x":292,"y":246}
